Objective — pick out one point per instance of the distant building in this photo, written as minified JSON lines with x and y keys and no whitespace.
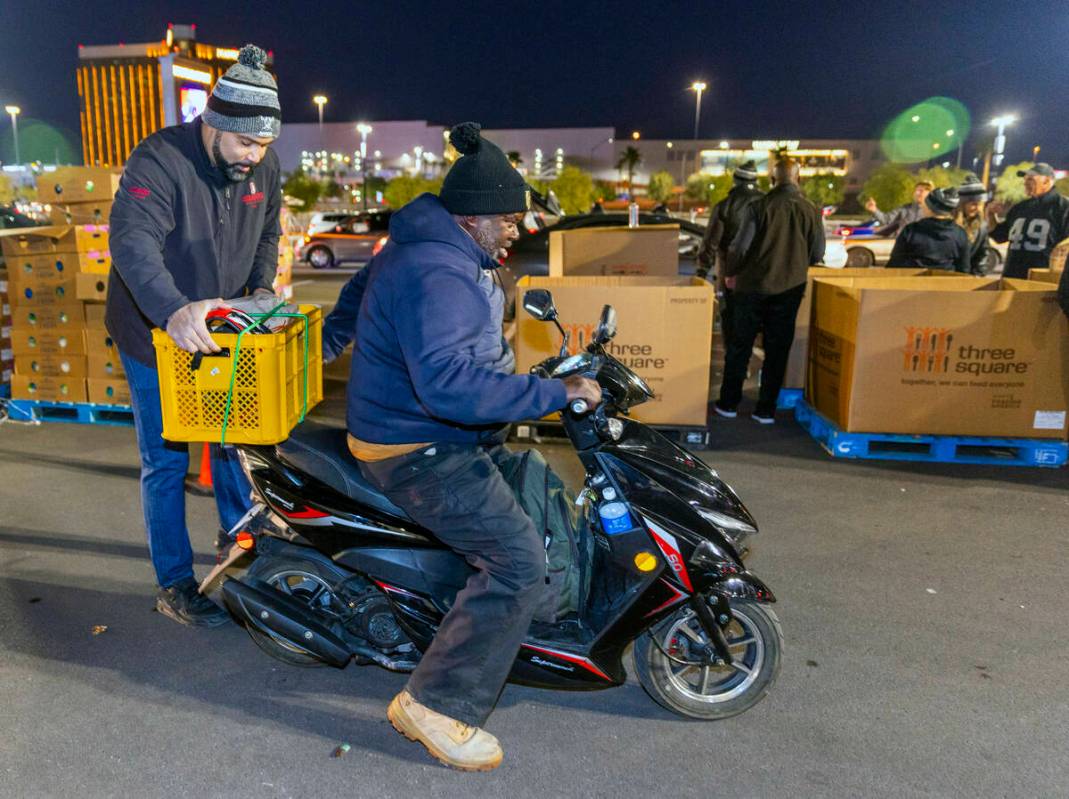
{"x":128,"y":91}
{"x":852,"y":159}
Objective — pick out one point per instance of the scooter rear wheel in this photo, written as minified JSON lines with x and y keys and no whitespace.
{"x":301,"y":579}
{"x":670,"y":661}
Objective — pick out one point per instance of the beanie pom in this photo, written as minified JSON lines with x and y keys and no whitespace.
{"x":465,"y":137}
{"x":252,"y":56}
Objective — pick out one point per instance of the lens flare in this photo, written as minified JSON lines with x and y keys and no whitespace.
{"x":926,"y":130}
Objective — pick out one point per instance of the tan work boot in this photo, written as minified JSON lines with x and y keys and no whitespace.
{"x":453,"y":742}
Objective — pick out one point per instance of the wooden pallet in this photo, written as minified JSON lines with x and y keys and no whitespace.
{"x":988,"y":451}
{"x":23,"y":410}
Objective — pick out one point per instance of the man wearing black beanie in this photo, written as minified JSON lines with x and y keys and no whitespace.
{"x":432,"y":392}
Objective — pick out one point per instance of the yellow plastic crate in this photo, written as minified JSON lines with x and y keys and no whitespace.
{"x":268,"y":387}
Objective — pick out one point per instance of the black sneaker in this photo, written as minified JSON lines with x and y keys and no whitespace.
{"x":186,"y":605}
{"x":727,"y":413}
{"x":763,"y":417}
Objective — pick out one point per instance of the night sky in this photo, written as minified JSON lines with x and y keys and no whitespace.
{"x":775,"y":69}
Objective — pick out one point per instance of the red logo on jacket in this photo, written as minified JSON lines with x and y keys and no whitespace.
{"x":253,"y":198}
{"x":139,"y":192}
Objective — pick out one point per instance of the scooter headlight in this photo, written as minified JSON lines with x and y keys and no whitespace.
{"x":736,"y":529}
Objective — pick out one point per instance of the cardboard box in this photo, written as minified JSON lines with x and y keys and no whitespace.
{"x":47,"y":342}
{"x":67,"y":366}
{"x":54,"y":267}
{"x":99,"y":342}
{"x":94,"y":315}
{"x":796,"y":365}
{"x":54,"y":318}
{"x":40,"y":294}
{"x":91,"y":213}
{"x":78,"y":184}
{"x":665,"y":334}
{"x":648,"y":250}
{"x":957,"y":356}
{"x":105,"y":365}
{"x":1045,"y":275}
{"x":48,"y":389}
{"x":108,"y":392}
{"x":91,"y":288}
{"x":54,"y":239}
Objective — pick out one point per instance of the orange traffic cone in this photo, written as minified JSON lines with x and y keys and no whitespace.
{"x":202,"y":484}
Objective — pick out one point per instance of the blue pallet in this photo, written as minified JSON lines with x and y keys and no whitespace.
{"x":23,"y":410}
{"x":789,"y":398}
{"x":931,"y":449}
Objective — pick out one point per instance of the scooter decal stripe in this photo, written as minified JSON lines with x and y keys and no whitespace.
{"x":672,"y":600}
{"x":306,"y":513}
{"x":393,"y":589}
{"x":670,"y":547}
{"x":579,"y":661}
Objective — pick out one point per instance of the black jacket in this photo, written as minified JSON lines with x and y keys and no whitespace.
{"x":781,"y":236}
{"x":181,"y":232}
{"x":979,"y":249}
{"x":724,"y":222}
{"x":1033,"y":227}
{"x":933,"y":243}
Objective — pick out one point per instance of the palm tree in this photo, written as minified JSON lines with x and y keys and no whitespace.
{"x":629,"y":159}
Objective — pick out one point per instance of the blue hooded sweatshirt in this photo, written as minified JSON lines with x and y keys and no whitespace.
{"x":430,"y":362}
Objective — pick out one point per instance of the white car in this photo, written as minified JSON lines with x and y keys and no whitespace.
{"x":326,"y":221}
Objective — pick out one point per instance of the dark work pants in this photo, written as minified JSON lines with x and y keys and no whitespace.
{"x":727,"y":299}
{"x":774,"y":316}
{"x":457,"y":492}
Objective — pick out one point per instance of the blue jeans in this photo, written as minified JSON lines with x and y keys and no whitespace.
{"x":164,"y":466}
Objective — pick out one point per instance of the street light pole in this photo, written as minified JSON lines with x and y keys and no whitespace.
{"x":363,"y":129}
{"x":698,"y":86}
{"x":595,"y":147}
{"x":14,"y":111}
{"x":320,"y":100}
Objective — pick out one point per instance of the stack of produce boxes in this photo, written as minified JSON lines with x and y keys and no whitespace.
{"x":7,"y":357}
{"x":58,"y":278}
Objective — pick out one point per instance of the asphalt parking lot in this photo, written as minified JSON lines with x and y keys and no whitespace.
{"x":924,"y":609}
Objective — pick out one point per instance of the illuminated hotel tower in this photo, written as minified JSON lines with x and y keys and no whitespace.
{"x":127,"y":91}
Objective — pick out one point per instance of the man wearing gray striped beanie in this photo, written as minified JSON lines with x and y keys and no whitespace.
{"x":244,"y":104}
{"x":194,"y":225}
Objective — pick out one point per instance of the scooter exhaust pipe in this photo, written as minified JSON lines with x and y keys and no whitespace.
{"x":257,"y":604}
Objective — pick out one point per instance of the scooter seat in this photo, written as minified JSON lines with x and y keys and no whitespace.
{"x":321,"y":451}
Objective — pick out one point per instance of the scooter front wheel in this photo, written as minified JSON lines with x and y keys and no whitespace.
{"x":675,"y":670}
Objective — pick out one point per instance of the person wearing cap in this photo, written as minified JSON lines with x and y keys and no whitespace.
{"x":195,"y":221}
{"x":973,"y":221}
{"x":781,"y":236}
{"x":724,"y":222}
{"x":892,"y":222}
{"x":1033,"y":227}
{"x":936,"y":241}
{"x":427,"y":419}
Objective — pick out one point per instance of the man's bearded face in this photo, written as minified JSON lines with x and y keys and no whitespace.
{"x":236,"y":153}
{"x":495,"y":234}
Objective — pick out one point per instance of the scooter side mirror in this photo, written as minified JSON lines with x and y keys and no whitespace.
{"x":539,"y":304}
{"x":606,"y":329}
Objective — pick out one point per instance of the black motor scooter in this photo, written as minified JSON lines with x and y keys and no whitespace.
{"x":341,"y":573}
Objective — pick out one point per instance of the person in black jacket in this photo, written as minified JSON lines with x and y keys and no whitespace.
{"x":973,"y":221}
{"x":195,"y":221}
{"x":781,"y":236}
{"x":724,"y":222}
{"x":936,"y":241}
{"x":1033,"y":227}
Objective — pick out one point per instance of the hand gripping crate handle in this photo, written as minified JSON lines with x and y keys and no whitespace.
{"x":257,"y":319}
{"x":198,"y":356}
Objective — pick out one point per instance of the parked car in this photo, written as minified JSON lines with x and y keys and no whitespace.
{"x":10,"y":217}
{"x":352,"y":239}
{"x":867,"y":249}
{"x":326,"y":221}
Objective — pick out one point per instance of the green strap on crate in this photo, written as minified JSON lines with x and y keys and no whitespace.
{"x":261,"y":317}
